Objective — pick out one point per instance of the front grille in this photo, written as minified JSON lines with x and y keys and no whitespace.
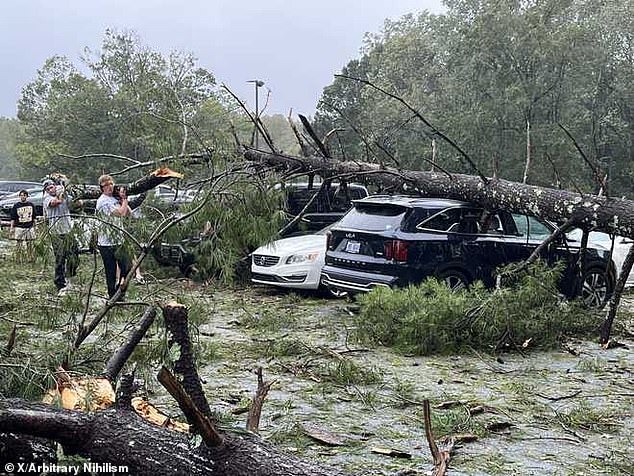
{"x":265,"y":260}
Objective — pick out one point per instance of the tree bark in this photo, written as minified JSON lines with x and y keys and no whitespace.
{"x":610,"y":215}
{"x":120,"y":437}
{"x":176,"y":322}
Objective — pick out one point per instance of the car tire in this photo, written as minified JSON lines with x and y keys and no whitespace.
{"x":454,"y":279}
{"x":596,"y":288}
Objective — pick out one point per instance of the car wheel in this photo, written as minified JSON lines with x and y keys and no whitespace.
{"x":453,"y":279}
{"x":596,"y":288}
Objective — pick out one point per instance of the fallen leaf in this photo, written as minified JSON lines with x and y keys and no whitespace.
{"x":390,"y":452}
{"x":322,"y":436}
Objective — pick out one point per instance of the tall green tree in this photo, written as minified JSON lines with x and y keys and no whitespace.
{"x":9,"y":131}
{"x":499,"y":78}
{"x":133,"y":102}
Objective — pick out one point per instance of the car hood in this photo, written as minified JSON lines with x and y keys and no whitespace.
{"x":295,"y":244}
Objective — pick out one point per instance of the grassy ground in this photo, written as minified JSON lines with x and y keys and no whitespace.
{"x":561,"y":412}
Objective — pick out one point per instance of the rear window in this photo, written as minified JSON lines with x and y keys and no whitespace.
{"x":374,"y":217}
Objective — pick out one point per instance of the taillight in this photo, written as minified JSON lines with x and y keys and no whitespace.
{"x":396,"y":250}
{"x":328,"y":239}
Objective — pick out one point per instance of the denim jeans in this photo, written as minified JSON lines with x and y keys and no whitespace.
{"x":66,"y":254}
{"x":111,"y":257}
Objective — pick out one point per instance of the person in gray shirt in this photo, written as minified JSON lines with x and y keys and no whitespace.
{"x":57,"y":213}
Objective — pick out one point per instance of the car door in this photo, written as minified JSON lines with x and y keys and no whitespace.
{"x":523,"y":234}
{"x":475,"y":244}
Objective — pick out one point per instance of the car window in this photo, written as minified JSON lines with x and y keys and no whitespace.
{"x":457,"y":220}
{"x":332,"y":199}
{"x":531,"y":227}
{"x":443,"y":221}
{"x":370,"y":217}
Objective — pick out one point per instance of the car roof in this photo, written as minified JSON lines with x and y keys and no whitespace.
{"x":412,"y":202}
{"x":31,"y":191}
{"x":19,"y":183}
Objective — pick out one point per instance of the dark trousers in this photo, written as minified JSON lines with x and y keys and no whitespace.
{"x":113,"y":256}
{"x":66,"y":254}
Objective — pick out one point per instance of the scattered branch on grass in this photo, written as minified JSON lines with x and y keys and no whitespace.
{"x":441,"y":457}
{"x":255,"y":410}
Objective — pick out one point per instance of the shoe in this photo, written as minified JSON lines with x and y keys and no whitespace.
{"x":140,"y":280}
{"x":63,"y":291}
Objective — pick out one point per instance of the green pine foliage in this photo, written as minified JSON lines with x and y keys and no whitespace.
{"x":430,"y":318}
{"x":241,"y":215}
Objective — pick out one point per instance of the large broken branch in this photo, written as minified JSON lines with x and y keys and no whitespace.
{"x":120,"y":357}
{"x":123,"y":438}
{"x":176,"y":322}
{"x":203,"y":425}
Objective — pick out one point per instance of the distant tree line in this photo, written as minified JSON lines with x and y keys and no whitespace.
{"x":509,"y":81}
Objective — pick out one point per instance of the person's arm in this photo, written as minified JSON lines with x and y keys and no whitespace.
{"x":54,"y":202}
{"x":14,"y":218}
{"x":124,"y":208}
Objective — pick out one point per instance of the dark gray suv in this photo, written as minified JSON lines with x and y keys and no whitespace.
{"x":398,"y":240}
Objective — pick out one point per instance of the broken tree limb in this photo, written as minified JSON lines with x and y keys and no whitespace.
{"x":140,"y":186}
{"x":123,"y":438}
{"x":202,"y":424}
{"x":610,"y":215}
{"x":441,"y":457}
{"x":121,"y":356}
{"x":176,"y":322}
{"x":606,"y":327}
{"x":255,"y":410}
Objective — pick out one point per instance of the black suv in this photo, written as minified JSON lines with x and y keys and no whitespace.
{"x":330,"y":205}
{"x":398,"y":240}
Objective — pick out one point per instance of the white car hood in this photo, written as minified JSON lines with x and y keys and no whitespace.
{"x":293,"y":245}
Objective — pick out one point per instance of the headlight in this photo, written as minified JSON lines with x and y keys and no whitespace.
{"x":303,"y":258}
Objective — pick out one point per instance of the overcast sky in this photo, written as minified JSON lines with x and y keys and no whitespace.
{"x":294,"y":46}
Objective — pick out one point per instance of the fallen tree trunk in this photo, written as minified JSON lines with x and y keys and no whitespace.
{"x":589,"y":212}
{"x":610,"y":215}
{"x":120,"y":437}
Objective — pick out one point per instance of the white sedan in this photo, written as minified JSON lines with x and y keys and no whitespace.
{"x":294,"y":262}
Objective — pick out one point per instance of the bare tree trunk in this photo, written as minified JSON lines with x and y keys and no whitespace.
{"x":528,"y":151}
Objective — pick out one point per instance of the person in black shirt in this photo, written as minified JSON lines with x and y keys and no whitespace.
{"x":23,"y":226}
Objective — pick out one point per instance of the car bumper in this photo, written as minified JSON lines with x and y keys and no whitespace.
{"x":355,"y":281}
{"x":287,"y":276}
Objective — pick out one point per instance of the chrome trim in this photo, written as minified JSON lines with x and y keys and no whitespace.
{"x":348,"y":286}
{"x":265,"y":260}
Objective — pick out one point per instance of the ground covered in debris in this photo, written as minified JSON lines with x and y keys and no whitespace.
{"x":568,"y":411}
